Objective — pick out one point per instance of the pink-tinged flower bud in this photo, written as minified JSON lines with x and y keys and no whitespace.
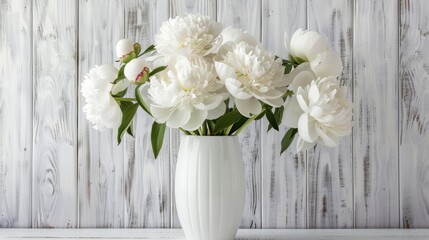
{"x":124,"y":48}
{"x":136,"y":71}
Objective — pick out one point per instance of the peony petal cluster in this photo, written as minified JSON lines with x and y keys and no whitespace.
{"x":250,"y":73}
{"x":188,"y":35}
{"x":186,"y":94}
{"x":310,"y":46}
{"x":100,"y":107}
{"x":319,"y":109}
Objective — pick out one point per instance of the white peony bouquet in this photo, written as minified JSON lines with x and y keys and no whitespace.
{"x":208,"y":80}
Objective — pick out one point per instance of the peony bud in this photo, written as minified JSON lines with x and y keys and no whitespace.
{"x":129,"y":57}
{"x":136,"y":71}
{"x":305,"y":45}
{"x":327,"y":64}
{"x":124,"y":48}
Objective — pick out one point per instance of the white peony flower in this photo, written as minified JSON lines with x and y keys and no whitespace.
{"x":136,"y":70}
{"x":101,"y":108}
{"x":306,"y":44}
{"x":309,"y":46}
{"x":320,"y":110}
{"x":251,"y":74}
{"x":186,"y":94}
{"x":124,"y":47}
{"x":190,"y":34}
{"x":230,"y":34}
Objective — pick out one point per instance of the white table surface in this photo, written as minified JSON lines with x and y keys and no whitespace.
{"x":324,"y":234}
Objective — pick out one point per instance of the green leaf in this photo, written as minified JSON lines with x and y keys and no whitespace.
{"x":278,"y":115}
{"x":238,"y":125}
{"x":149,"y":49}
{"x":125,"y":105}
{"x":227,"y":120}
{"x":120,"y":94}
{"x":261,"y":115}
{"x":127,"y":118}
{"x":121,"y":75}
{"x":288,"y":138}
{"x":287,"y":94}
{"x":272,"y":120}
{"x":157,"y":137}
{"x":130,"y":130}
{"x":288,"y":68}
{"x":157,"y":70}
{"x":140,"y":100}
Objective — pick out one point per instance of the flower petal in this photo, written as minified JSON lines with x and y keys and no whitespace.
{"x":212,"y":102}
{"x":301,"y":79}
{"x":277,"y":102}
{"x":196,"y":120}
{"x":327,"y":64}
{"x":302,"y":100}
{"x":161,"y":114}
{"x":248,"y":106}
{"x":120,"y":86}
{"x":224,"y":71}
{"x":234,"y":87}
{"x":326,"y":139}
{"x":306,"y":128}
{"x":217,"y":112}
{"x":302,"y":145}
{"x":313,"y":94}
{"x":178,"y":118}
{"x":291,"y":113}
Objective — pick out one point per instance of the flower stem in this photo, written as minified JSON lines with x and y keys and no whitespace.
{"x":245,"y":125}
{"x":125,"y":99}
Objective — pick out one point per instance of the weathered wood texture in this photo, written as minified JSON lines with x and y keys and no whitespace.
{"x":329,"y":171}
{"x":55,"y":110}
{"x":101,"y":161}
{"x":283,"y":177}
{"x":414,"y":113}
{"x":16,"y":117}
{"x":375,"y":134}
{"x":147,"y":181}
{"x":246,"y":15}
{"x":56,"y":171}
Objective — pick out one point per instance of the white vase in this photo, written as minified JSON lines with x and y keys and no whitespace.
{"x":209,"y":187}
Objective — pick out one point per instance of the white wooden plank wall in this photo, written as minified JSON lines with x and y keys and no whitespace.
{"x":283,"y":177}
{"x":56,"y":171}
{"x":55,"y":113}
{"x":375,"y":135}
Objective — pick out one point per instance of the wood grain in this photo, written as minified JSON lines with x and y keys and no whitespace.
{"x":147,"y":181}
{"x":16,"y":119}
{"x":101,"y":161}
{"x":375,"y":135}
{"x":246,"y":15}
{"x":330,"y":171}
{"x":55,"y":105}
{"x":283,"y":177}
{"x":177,"y":8}
{"x":414,"y":114}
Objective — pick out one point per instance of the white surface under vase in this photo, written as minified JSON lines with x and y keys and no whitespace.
{"x":209,"y":187}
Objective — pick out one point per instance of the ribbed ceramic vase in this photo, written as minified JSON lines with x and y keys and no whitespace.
{"x":209,"y":187}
